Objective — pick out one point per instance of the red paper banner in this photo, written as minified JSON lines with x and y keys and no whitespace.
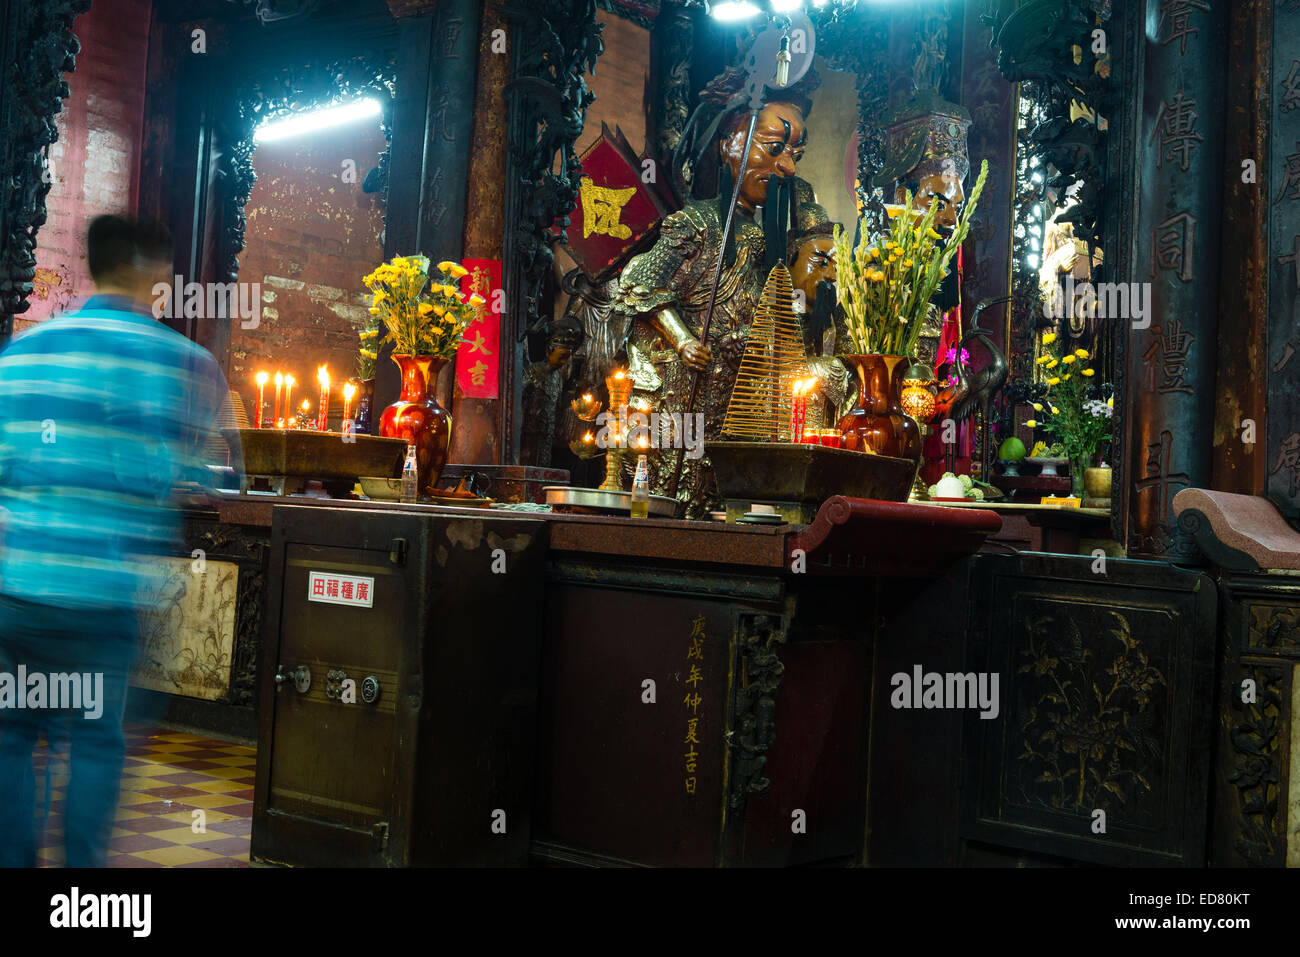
{"x":478,"y":360}
{"x":615,"y":210}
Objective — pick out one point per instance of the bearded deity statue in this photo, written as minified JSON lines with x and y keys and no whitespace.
{"x":665,"y":291}
{"x":811,"y":254}
{"x":927,"y":157}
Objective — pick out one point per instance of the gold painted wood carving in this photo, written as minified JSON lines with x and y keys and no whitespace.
{"x":771,"y":365}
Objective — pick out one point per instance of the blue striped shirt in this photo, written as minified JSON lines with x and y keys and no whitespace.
{"x":102,"y":413}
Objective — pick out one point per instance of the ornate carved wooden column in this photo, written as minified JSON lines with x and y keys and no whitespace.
{"x":1169,"y":394}
{"x":437,"y":70}
{"x":553,"y":44}
{"x":992,"y":104}
{"x":474,"y":431}
{"x":674,"y":39}
{"x":1242,"y":387}
{"x":38,"y":46}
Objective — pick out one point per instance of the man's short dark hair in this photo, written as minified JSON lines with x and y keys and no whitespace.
{"x":113,"y":242}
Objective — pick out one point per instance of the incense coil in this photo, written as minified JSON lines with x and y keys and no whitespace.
{"x":773,"y":361}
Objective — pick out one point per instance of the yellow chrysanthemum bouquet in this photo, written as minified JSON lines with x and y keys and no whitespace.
{"x":423,"y":318}
{"x":1080,"y":423}
{"x":885,"y":284}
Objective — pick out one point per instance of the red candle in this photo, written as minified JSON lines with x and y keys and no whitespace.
{"x":279,"y":384}
{"x":288,"y":392}
{"x":348,"y":391}
{"x":322,"y":416}
{"x":261,"y":399}
{"x":799,"y":408}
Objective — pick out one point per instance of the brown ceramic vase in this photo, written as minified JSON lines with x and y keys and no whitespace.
{"x":417,"y":417}
{"x":878,"y":423}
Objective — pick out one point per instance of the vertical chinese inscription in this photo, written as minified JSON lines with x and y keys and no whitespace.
{"x":1291,"y":181}
{"x":694,"y":675}
{"x":1158,"y":477}
{"x":1176,"y":21}
{"x":1168,"y":355}
{"x":1173,"y":246}
{"x":1176,"y":126}
{"x":1288,"y":461}
{"x":1291,"y":88}
{"x":479,"y":286}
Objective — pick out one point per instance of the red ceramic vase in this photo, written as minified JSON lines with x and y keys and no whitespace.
{"x":417,"y":417}
{"x":878,"y":423}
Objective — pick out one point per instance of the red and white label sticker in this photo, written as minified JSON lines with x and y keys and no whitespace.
{"x":335,"y":589}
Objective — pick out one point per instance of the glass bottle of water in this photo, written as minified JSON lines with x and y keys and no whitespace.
{"x":641,"y":489}
{"x":410,"y":473}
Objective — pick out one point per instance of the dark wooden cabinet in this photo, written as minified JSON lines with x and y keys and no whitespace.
{"x":1102,"y":751}
{"x":398,"y":688}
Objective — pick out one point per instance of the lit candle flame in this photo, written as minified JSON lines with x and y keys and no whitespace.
{"x":323,"y":377}
{"x":261,"y":378}
{"x":349,"y":391}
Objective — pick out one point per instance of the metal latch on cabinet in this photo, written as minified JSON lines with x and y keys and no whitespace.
{"x":299,"y":678}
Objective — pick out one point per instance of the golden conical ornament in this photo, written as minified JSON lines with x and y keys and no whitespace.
{"x":773,"y":362}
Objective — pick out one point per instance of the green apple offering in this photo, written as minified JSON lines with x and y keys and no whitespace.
{"x":1011,"y":450}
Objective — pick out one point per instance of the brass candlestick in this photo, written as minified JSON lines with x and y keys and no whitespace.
{"x":620,"y":391}
{"x":919,"y":402}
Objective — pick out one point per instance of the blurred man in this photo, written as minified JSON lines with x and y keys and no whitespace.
{"x":103,"y":414}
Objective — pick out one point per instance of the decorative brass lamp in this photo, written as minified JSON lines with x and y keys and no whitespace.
{"x":586,"y":407}
{"x":619,"y":385}
{"x":585,"y":447}
{"x":919,"y":401}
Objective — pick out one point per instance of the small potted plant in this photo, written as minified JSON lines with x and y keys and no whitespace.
{"x":1074,"y":409}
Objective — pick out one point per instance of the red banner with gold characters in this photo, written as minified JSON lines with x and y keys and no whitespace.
{"x":478,"y":359}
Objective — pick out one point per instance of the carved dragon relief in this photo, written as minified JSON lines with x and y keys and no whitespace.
{"x":44,"y":48}
{"x":754,"y":726}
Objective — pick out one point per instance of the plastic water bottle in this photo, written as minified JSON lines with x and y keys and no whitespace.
{"x":410,"y":473}
{"x":641,"y":489}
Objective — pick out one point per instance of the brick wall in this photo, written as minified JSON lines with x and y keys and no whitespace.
{"x":310,"y":239}
{"x":620,"y":81}
{"x":96,"y":159}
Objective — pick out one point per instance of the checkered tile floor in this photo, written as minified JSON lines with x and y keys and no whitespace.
{"x":168,"y":776}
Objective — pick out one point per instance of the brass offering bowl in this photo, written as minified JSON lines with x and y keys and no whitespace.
{"x":319,"y":455}
{"x":805,"y":473}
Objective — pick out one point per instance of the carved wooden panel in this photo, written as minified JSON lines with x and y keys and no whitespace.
{"x":1100,"y":751}
{"x":1259,"y":645}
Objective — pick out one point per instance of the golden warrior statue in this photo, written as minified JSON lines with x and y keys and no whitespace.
{"x":666,"y":289}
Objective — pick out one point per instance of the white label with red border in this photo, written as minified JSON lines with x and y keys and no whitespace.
{"x":335,"y":589}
